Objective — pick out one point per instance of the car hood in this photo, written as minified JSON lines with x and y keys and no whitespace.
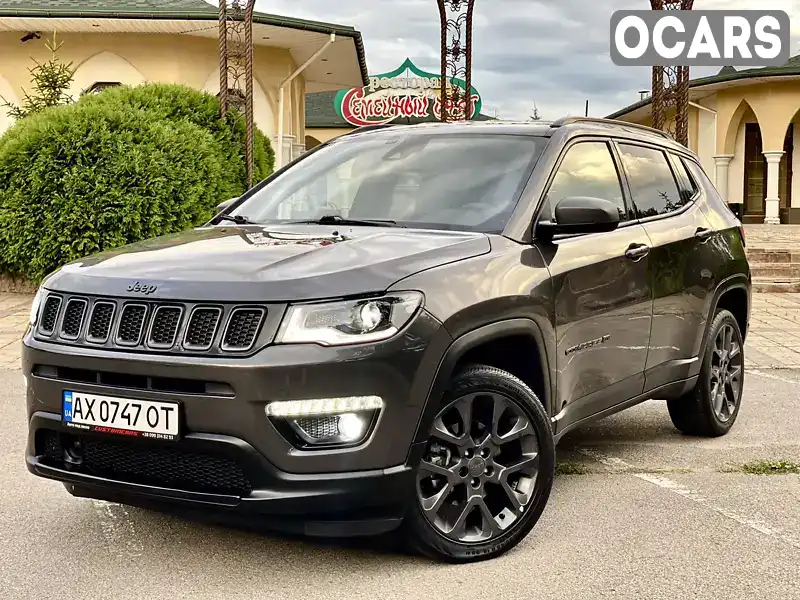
{"x":266,"y":264}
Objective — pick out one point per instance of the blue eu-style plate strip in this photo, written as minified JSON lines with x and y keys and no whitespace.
{"x":67,"y":406}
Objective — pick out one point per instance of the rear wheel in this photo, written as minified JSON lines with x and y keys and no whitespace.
{"x":487,"y":471}
{"x":712,"y":407}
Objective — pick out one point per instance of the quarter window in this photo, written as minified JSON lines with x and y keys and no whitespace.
{"x":687,"y":184}
{"x":588,"y":170}
{"x":653,"y":185}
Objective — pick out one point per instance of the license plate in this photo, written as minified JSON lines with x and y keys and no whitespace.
{"x":121,"y":416}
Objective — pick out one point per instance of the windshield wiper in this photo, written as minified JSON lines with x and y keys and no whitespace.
{"x":339,"y":220}
{"x":238,"y":219}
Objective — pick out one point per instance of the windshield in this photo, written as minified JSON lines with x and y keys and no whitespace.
{"x":461,"y":181}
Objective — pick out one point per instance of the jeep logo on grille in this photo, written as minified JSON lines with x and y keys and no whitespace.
{"x":140,"y":288}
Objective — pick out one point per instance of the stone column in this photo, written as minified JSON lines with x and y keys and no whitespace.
{"x":773,"y":201}
{"x":723,"y":161}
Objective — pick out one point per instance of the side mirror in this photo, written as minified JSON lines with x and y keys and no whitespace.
{"x":581,"y":215}
{"x":224,"y":205}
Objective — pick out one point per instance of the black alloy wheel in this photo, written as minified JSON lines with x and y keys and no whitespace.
{"x":711,"y":408}
{"x":727,"y":368}
{"x":487,"y":470}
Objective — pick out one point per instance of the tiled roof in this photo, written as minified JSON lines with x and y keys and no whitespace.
{"x":321,"y":113}
{"x":790,"y":68}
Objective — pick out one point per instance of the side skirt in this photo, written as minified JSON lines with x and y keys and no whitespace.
{"x":669,"y":390}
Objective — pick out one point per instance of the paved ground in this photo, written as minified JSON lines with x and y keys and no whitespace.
{"x":656,"y":515}
{"x":777,"y":237}
{"x":650,"y":514}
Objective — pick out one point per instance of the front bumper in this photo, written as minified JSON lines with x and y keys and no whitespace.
{"x":224,"y":417}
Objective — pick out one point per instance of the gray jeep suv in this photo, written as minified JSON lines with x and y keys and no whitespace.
{"x":393,"y":332}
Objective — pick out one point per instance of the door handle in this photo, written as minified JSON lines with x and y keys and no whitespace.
{"x":637,"y":252}
{"x":703,"y":233}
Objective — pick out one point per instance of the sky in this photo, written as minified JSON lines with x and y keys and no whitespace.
{"x":553,"y":54}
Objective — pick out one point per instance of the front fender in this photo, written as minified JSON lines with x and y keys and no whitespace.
{"x":472,"y":339}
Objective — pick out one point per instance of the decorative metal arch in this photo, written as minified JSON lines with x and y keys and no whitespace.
{"x":236,"y":67}
{"x":456,"y":38}
{"x":671,"y":86}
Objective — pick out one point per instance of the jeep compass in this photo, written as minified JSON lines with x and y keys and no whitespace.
{"x":393,"y":331}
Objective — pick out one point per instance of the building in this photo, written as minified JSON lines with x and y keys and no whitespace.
{"x":405,"y":96}
{"x":745,"y":126}
{"x":112,"y":42}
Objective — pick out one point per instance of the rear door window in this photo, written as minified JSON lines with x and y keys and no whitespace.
{"x":653,"y":187}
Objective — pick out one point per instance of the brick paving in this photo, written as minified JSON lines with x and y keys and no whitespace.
{"x":773,"y":343}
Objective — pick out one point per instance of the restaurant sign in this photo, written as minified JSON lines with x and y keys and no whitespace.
{"x":406,"y":92}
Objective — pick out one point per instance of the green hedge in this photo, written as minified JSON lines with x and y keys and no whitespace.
{"x":122,"y":166}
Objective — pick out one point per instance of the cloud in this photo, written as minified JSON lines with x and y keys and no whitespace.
{"x":554,"y":53}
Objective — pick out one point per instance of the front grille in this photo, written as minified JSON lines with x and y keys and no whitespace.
{"x":50,"y":314}
{"x":73,"y":318}
{"x":242,"y":328}
{"x":163,"y":466}
{"x":100,"y":322}
{"x":202,"y":328}
{"x":164,"y":327}
{"x":131,"y":323}
{"x":152,"y":326}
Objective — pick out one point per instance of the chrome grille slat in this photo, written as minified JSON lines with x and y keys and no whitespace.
{"x":131,"y":324}
{"x":244,"y":324}
{"x":100,"y":321}
{"x":52,"y":307}
{"x":202,"y":328}
{"x":72,"y":321}
{"x":164,"y":325}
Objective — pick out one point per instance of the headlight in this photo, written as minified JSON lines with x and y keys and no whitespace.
{"x":35,"y":306}
{"x":349,"y":322}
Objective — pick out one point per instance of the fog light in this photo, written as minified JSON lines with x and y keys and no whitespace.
{"x":351,"y":427}
{"x":326,"y":422}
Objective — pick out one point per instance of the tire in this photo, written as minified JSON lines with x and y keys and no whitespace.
{"x":701,"y":412}
{"x":489,"y":520}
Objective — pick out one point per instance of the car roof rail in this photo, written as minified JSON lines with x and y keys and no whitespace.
{"x":569,"y":120}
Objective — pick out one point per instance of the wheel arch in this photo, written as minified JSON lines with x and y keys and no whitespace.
{"x":733,"y":294}
{"x":483,"y":337}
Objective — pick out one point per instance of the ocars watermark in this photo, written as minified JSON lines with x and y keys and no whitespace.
{"x":700,"y":38}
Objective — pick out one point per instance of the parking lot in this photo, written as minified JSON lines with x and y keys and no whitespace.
{"x":638,"y":511}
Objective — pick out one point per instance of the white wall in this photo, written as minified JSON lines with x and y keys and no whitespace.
{"x":796,"y":167}
{"x":105,"y":66}
{"x":707,"y":140}
{"x":7,"y":93}
{"x":736,"y":170}
{"x":263,"y":115}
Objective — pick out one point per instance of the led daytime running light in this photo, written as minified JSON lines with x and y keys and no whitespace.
{"x":323,"y":406}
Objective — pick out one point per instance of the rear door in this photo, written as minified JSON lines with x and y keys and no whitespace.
{"x":666,"y":201}
{"x":602,"y":296}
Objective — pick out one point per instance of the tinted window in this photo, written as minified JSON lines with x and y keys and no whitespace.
{"x":687,"y":184}
{"x":652,"y":184}
{"x":588,"y":170}
{"x":447,"y":181}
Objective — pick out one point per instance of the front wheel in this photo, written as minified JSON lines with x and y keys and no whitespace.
{"x":487,"y":471}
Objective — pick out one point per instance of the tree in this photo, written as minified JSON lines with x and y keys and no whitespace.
{"x":535,"y":116}
{"x":51,"y":80}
